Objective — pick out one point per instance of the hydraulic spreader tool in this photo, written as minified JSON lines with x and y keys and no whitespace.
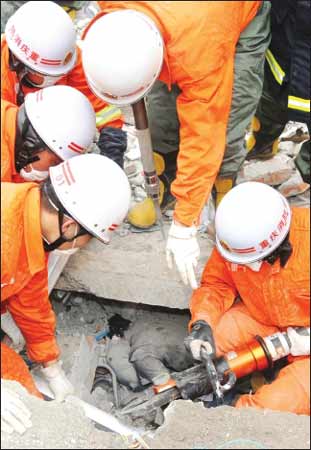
{"x":215,"y":375}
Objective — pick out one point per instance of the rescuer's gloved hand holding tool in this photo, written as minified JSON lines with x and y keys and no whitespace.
{"x":299,"y":343}
{"x":182,"y":245}
{"x":14,"y":414}
{"x":11,"y":329}
{"x":200,"y":337}
{"x":112,"y":143}
{"x":57,"y":380}
{"x":216,"y":375}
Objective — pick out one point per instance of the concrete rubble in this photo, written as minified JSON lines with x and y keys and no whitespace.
{"x":57,"y":426}
{"x":104,"y":270}
{"x":190,"y":425}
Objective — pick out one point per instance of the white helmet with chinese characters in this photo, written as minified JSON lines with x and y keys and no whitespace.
{"x":252,"y":220}
{"x":121,"y":67}
{"x":94,"y":191}
{"x":63,"y":118}
{"x":41,"y":36}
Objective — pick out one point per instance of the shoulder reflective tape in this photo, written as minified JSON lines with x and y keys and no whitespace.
{"x":107,"y":114}
{"x":301,"y":104}
{"x":275,"y":67}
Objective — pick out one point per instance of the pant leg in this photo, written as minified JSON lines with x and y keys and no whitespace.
{"x":271,"y":117}
{"x":289,"y":392}
{"x":247,"y":88}
{"x":303,"y":159}
{"x":236,"y":328}
{"x":163,"y":118}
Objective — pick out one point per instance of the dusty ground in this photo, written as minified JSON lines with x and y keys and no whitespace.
{"x":191,"y":426}
{"x":187,"y":426}
{"x":58,"y":426}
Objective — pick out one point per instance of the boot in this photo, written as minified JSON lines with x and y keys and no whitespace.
{"x":222,"y":186}
{"x":257,"y":146}
{"x":261,"y":152}
{"x":143,"y":214}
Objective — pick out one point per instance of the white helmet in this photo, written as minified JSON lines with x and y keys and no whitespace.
{"x":122,"y":56}
{"x":64,"y":119}
{"x":42,"y":36}
{"x":94,"y":190}
{"x":252,"y":220}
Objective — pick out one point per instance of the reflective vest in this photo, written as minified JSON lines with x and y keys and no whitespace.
{"x":288,"y":58}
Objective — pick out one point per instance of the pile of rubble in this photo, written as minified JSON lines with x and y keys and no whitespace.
{"x":187,"y":425}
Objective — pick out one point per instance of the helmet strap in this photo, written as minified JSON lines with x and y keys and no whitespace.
{"x":51,"y":196}
{"x":20,"y":69}
{"x":27,"y":142}
{"x":283,"y":252}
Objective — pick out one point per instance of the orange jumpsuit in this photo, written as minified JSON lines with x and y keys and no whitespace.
{"x":8,"y":132}
{"x":14,"y":368}
{"x":24,"y":282}
{"x":200,"y":41}
{"x":271,"y":300}
{"x":106,"y":115}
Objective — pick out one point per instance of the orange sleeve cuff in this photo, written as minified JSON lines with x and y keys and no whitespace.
{"x":43,"y":351}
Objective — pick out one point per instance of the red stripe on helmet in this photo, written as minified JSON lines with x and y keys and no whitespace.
{"x":76,"y":145}
{"x":66,"y":174}
{"x":50,"y":63}
{"x":74,"y":149}
{"x":39,"y":95}
{"x":51,"y":60}
{"x":70,"y":172}
{"x":244,"y":250}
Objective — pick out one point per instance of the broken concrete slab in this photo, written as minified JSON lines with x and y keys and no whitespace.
{"x":273,"y":171}
{"x":294,"y":185}
{"x":301,"y":200}
{"x":190,"y":425}
{"x":57,"y":426}
{"x":132,"y":268}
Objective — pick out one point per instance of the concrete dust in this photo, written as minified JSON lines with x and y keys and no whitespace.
{"x":57,"y":426}
{"x":190,"y":425}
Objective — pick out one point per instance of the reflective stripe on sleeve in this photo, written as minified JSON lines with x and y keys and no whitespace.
{"x":301,"y":104}
{"x":276,"y":69}
{"x":108,"y":114}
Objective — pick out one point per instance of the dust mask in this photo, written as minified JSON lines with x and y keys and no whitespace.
{"x":255,"y":266}
{"x":34,"y":175}
{"x":68,"y":252}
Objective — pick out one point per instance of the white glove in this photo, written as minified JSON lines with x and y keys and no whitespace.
{"x":14,"y":414}
{"x":58,"y":382}
{"x":299,"y":344}
{"x":11,"y":329}
{"x":183,"y":246}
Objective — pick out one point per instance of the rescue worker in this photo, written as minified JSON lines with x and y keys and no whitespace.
{"x":39,"y":50}
{"x":15,"y":416}
{"x":262,"y":257}
{"x":286,"y":92}
{"x":194,"y":47}
{"x":54,"y":124}
{"x":85,"y":196}
{"x":9,"y":7}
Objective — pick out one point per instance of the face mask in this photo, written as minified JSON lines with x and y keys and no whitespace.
{"x":34,"y":175}
{"x":68,"y":252}
{"x":255,"y":266}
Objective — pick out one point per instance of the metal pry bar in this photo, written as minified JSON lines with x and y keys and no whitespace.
{"x":145,"y":145}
